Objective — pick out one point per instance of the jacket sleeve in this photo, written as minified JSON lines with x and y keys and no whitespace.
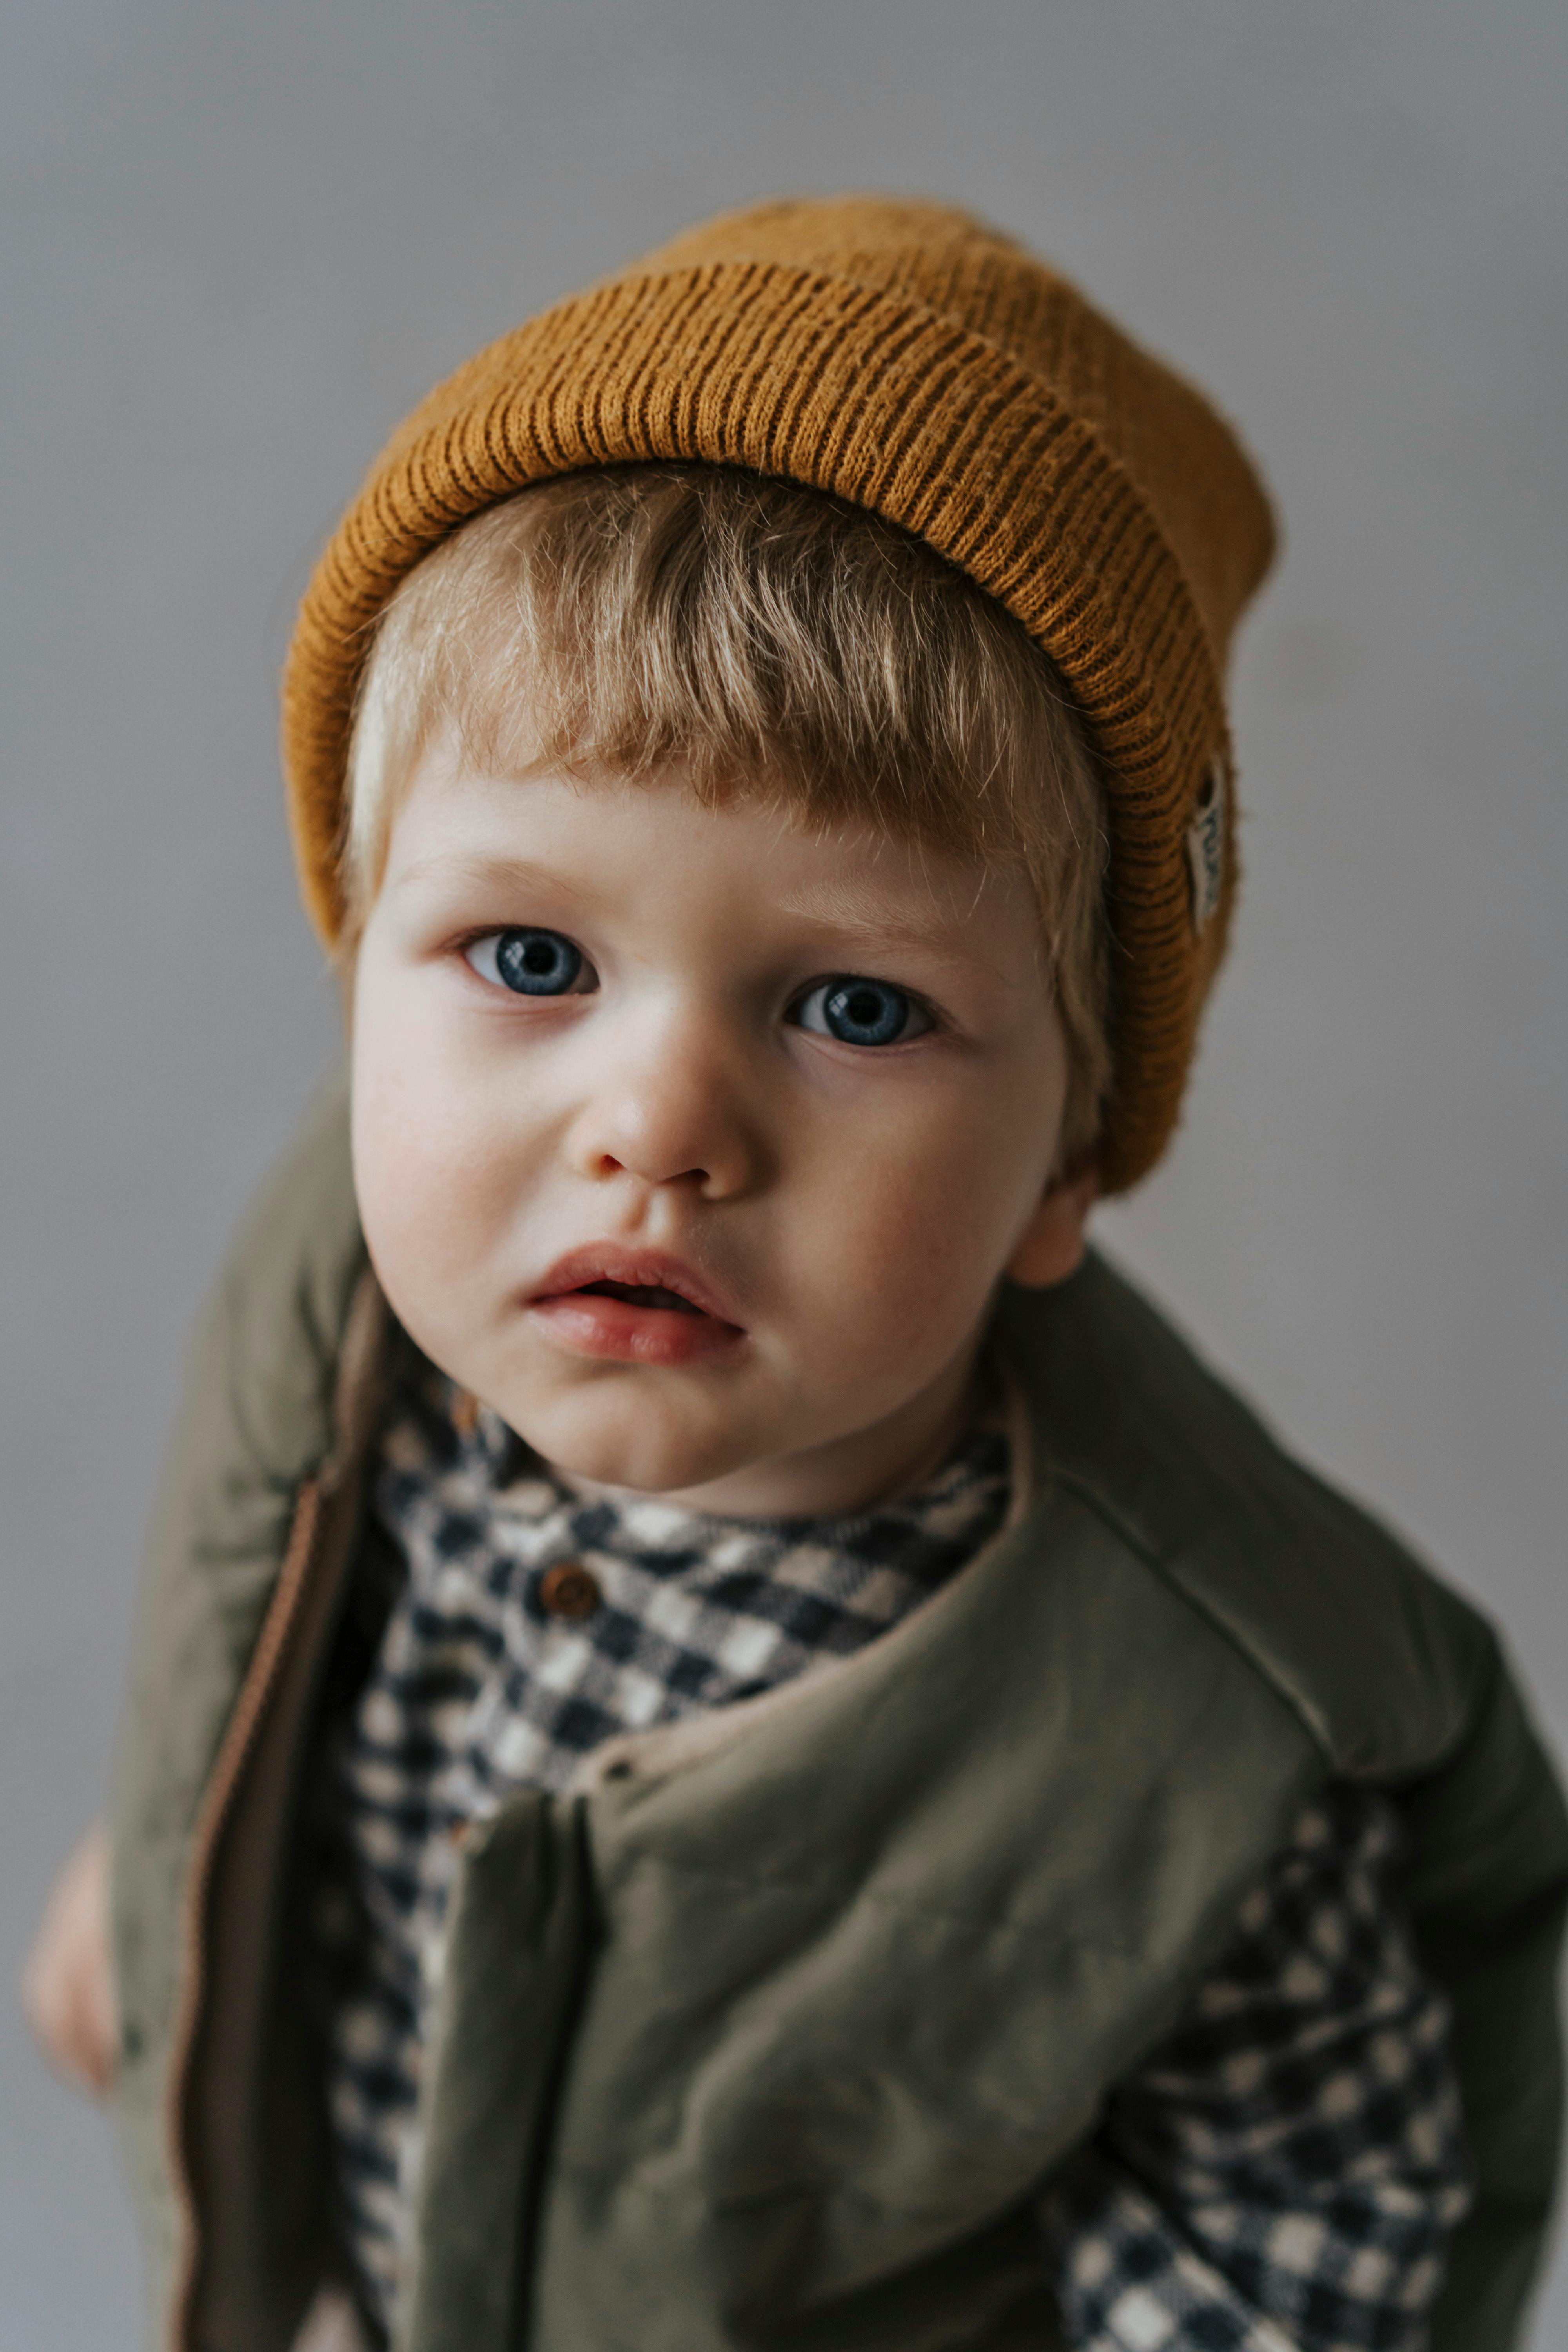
{"x":256,"y":1418}
{"x":1488,"y":1891}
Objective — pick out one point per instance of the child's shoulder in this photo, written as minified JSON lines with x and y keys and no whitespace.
{"x":1385,"y":1663}
{"x":269,"y":1355}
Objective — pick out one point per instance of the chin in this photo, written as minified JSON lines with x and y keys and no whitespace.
{"x":623,"y":1446}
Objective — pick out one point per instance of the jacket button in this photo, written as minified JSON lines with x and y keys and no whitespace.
{"x":569,"y":1589}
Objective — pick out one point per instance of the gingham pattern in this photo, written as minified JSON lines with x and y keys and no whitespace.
{"x":1282,"y":2176}
{"x":1279,"y":2178}
{"x":476,"y":1690}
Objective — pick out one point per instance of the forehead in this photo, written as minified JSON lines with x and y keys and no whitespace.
{"x":660,"y":843}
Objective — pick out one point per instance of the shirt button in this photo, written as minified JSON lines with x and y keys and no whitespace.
{"x":569,"y":1589}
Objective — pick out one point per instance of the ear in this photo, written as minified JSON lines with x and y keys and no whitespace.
{"x":1052,"y":1243}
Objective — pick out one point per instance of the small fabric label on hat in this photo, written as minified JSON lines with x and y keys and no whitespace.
{"x":1205,"y":846}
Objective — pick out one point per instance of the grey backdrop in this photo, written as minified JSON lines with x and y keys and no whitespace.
{"x":238,"y":243}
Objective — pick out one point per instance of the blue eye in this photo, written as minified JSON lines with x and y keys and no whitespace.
{"x":862,"y":1012}
{"x":528,"y":962}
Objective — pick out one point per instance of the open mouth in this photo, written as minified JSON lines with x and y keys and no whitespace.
{"x":637,"y":1293}
{"x":634,"y":1306}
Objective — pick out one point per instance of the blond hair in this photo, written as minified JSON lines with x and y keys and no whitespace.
{"x":782,"y":646}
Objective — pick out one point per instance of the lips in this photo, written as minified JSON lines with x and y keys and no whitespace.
{"x":633,"y":1306}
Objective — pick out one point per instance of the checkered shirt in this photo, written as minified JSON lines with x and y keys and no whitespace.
{"x":1279,"y":2177}
{"x":475,"y":1689}
{"x":1282,"y":2174}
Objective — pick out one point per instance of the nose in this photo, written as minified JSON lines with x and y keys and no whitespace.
{"x":670,"y":1103}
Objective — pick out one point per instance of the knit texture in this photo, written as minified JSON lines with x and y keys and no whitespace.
{"x":916,"y":362}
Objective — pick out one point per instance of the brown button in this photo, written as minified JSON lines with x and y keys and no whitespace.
{"x":569,"y":1589}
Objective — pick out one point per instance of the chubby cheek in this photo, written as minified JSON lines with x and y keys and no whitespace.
{"x":907,"y":1245}
{"x":432,"y":1172}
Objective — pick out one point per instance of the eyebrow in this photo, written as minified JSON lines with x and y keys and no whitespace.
{"x":849,"y":913}
{"x":487,"y":870}
{"x":840,"y":909}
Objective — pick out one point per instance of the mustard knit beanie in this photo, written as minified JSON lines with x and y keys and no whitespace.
{"x":916,"y":362}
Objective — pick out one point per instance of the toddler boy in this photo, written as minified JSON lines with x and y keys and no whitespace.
{"x":734,"y":1745}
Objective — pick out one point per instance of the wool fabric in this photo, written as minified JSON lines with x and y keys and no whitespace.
{"x":915,"y":362}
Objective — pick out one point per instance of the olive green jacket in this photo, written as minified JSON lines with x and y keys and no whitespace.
{"x":767,"y":2034}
